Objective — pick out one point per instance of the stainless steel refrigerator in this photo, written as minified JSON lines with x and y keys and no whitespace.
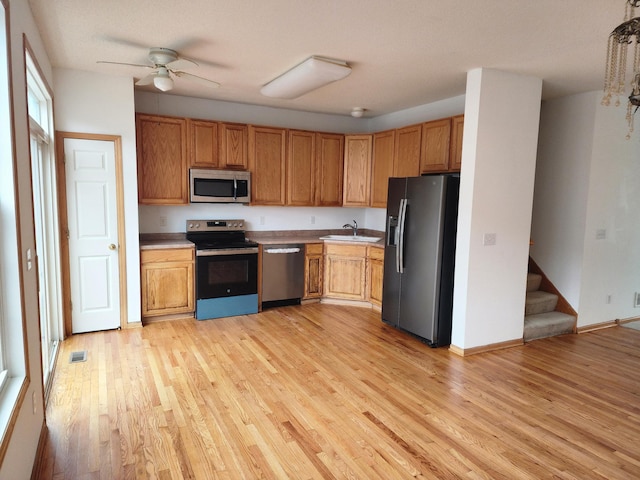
{"x":419,"y":255}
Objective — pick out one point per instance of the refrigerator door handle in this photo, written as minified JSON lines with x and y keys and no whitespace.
{"x":400,"y":243}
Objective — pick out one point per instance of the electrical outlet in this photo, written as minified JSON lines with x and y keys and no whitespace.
{"x":163,"y":221}
{"x":608,"y":299}
{"x":261,"y":220}
{"x":601,"y":234}
{"x":313,"y":220}
{"x":636,"y":300}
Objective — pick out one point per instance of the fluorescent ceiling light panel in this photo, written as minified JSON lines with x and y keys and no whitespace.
{"x":313,"y":73}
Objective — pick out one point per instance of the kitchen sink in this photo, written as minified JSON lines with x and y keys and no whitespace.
{"x":351,"y":238}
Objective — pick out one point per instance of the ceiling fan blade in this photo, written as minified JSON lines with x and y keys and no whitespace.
{"x":128,"y":64}
{"x":148,"y":80}
{"x":181,"y":63}
{"x":196,"y":78}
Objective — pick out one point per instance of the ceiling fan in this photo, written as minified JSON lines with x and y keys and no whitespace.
{"x":165,"y":63}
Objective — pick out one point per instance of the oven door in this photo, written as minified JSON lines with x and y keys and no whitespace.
{"x":226,"y":273}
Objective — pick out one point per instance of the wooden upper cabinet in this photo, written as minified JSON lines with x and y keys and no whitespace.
{"x":203,"y":143}
{"x":267,"y":153}
{"x":300,"y":167}
{"x":357,"y":170}
{"x":329,"y":169}
{"x":162,"y":160}
{"x":457,"y":127}
{"x":382,"y":166}
{"x":233,"y":146}
{"x":406,"y":160}
{"x":435,"y":146}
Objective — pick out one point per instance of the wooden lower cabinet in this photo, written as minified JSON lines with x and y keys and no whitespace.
{"x":345,"y":271}
{"x":375,"y":275}
{"x":167,"y":281}
{"x":313,"y":267}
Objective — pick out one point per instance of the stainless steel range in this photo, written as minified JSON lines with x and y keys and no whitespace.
{"x":226,"y":268}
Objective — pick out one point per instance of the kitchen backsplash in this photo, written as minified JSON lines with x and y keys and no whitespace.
{"x":167,"y":219}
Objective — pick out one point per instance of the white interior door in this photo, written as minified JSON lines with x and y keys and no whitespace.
{"x":93,"y":234}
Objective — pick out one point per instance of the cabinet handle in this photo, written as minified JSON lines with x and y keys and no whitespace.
{"x":112,"y":246}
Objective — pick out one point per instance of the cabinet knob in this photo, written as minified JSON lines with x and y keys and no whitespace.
{"x":112,"y":246}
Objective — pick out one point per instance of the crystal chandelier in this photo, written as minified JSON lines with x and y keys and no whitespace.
{"x":625,"y":34}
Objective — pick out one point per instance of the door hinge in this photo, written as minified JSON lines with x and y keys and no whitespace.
{"x":66,"y":231}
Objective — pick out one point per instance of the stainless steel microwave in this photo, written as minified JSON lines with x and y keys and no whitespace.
{"x":219,"y":186}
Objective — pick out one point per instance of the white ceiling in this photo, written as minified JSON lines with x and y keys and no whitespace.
{"x":403,"y":53}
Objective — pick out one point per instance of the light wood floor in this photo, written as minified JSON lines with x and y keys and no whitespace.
{"x":325,"y":391}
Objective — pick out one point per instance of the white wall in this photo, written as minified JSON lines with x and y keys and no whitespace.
{"x":97,"y":103}
{"x":561,"y":191}
{"x":496,"y":194}
{"x":422,"y":113}
{"x":256,"y":218}
{"x":23,"y":442}
{"x":588,"y":179}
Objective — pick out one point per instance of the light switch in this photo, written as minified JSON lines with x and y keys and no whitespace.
{"x":489,"y":239}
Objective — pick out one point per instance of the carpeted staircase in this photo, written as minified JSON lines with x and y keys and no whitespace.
{"x":541,"y":320}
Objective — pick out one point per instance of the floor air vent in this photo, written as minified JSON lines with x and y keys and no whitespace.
{"x":78,"y":357}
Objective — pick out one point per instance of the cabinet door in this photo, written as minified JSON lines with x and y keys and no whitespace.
{"x":435,"y":146}
{"x":233,"y":146}
{"x":457,"y":126}
{"x":267,"y":165}
{"x":313,"y":271}
{"x":382,"y":167}
{"x":300,"y":168}
{"x":357,"y":170}
{"x":203,"y":143}
{"x":162,"y":160}
{"x":406,"y":160}
{"x":167,"y":281}
{"x":375,"y":275}
{"x":329,"y":169}
{"x":345,"y":272}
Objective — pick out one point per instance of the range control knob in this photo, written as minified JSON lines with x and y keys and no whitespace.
{"x":191,"y":225}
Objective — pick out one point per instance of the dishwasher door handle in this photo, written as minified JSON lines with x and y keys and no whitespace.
{"x":282,"y":250}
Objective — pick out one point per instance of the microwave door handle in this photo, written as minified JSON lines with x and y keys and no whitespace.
{"x":235,"y":189}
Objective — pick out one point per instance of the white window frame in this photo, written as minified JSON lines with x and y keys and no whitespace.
{"x":12,"y":321}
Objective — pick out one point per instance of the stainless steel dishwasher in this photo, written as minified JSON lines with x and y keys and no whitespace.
{"x":282,"y":274}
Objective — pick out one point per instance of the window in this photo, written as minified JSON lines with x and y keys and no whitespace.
{"x":13,"y":362}
{"x":45,"y":213}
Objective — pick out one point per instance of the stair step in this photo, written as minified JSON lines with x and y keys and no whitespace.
{"x":540,"y":302}
{"x":548,"y":324}
{"x":533,"y":282}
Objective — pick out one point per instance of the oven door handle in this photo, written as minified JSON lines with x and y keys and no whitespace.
{"x":226,"y":251}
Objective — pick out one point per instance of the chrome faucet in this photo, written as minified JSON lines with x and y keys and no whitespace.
{"x":354,"y":227}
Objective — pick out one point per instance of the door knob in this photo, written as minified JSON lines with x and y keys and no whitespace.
{"x":112,"y":246}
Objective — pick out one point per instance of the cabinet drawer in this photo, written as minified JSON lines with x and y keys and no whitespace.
{"x":167,"y":255}
{"x":346,"y":250}
{"x":314,"y":248}
{"x":376,"y":253}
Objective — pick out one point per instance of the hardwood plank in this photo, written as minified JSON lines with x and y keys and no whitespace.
{"x":325,"y":391}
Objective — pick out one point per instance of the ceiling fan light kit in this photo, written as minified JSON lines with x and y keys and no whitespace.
{"x":357,"y":112}
{"x":620,"y":40}
{"x":162,"y":80}
{"x":309,"y":75}
{"x":166,"y":62}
